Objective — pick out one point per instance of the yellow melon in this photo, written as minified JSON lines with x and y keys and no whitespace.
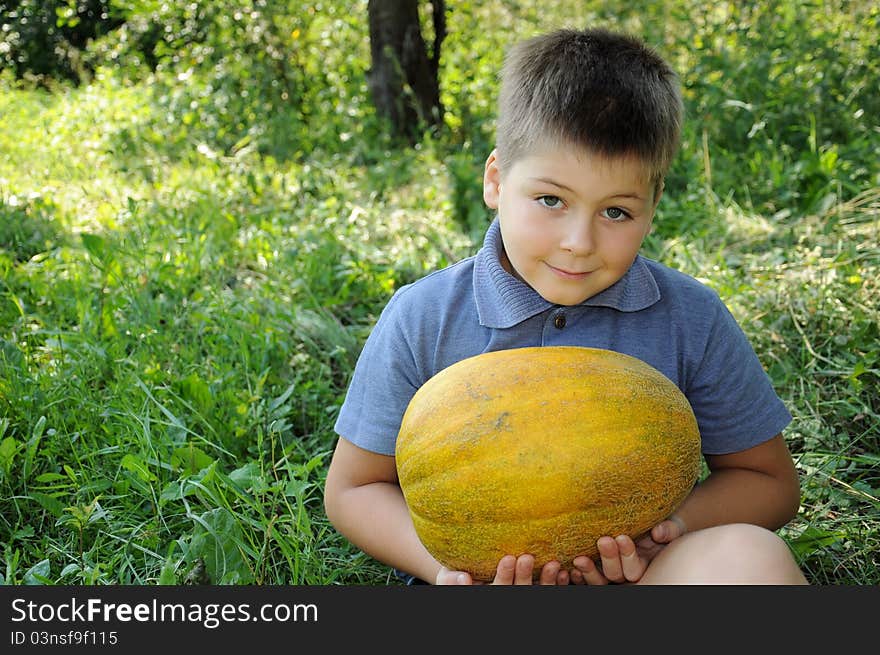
{"x":542,"y":451}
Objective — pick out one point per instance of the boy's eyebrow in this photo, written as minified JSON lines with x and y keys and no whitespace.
{"x":634,"y":196}
{"x":547,"y":180}
{"x":622,"y":194}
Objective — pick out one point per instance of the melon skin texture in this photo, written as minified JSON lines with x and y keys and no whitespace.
{"x":543,"y":450}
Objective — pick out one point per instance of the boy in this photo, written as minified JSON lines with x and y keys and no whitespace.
{"x":588,"y":124}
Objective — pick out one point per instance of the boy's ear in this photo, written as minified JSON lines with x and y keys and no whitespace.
{"x":492,"y":181}
{"x":658,"y":193}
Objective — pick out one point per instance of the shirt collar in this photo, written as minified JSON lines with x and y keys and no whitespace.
{"x":503,"y":300}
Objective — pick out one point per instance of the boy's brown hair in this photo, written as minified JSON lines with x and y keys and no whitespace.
{"x":603,"y":91}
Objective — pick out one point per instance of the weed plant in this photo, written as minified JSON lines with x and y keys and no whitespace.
{"x":187,"y":275}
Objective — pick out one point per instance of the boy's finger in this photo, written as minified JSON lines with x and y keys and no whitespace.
{"x":633,"y":567}
{"x":525,"y":565}
{"x":549,"y":573}
{"x":610,"y":555}
{"x":505,"y":572}
{"x":586,"y":572}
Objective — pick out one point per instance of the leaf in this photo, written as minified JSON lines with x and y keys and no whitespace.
{"x":50,"y":477}
{"x":190,"y":459}
{"x":296,"y":488}
{"x":24,"y":533}
{"x":49,"y":503}
{"x":32,"y":445}
{"x":176,"y":490}
{"x":96,"y":247}
{"x":189,"y":485}
{"x":168,"y":575}
{"x":11,"y":355}
{"x":246,"y":476}
{"x":9,"y":448}
{"x":70,"y":473}
{"x":38,"y":574}
{"x":136,"y":465}
{"x":216,"y":541}
{"x":71,"y":568}
{"x":866,"y":489}
{"x":278,"y":403}
{"x":108,"y":324}
{"x":197,"y":391}
{"x":96,"y":512}
{"x":813,"y":539}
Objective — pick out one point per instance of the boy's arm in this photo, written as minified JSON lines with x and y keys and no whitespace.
{"x":759,"y":485}
{"x":364,"y":502}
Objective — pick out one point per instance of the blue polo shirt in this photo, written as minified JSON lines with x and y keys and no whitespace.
{"x":662,"y":316}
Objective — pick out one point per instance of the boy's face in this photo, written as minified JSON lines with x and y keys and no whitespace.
{"x":572,"y":222}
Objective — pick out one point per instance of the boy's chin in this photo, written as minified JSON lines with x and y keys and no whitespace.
{"x":565,"y":299}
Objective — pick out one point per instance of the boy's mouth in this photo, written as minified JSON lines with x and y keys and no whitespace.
{"x":568,"y":275}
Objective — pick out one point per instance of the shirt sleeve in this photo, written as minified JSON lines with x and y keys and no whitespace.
{"x":385,"y":378}
{"x":732,"y":396}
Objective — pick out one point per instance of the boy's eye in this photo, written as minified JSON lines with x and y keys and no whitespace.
{"x":550,"y":201}
{"x":615,"y":214}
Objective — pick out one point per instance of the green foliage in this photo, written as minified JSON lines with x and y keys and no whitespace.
{"x":195,"y":243}
{"x":45,"y":40}
{"x":243,"y":74}
{"x":779,"y":90}
{"x":27,"y":228}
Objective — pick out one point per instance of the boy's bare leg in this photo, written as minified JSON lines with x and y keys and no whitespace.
{"x":725,"y":554}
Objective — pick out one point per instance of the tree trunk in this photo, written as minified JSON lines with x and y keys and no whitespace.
{"x":403,"y":79}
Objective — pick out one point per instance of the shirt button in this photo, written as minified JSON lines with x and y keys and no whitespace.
{"x":559,"y":321}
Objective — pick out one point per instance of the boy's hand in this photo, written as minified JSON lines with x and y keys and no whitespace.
{"x":624,"y":560}
{"x":510,"y":571}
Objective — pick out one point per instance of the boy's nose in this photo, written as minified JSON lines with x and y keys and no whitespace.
{"x":578,"y":237}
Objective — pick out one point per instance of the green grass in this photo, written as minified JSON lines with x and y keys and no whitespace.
{"x":182,"y":303}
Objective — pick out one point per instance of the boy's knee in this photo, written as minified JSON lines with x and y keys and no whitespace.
{"x":745,"y":545}
{"x":728,"y":554}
